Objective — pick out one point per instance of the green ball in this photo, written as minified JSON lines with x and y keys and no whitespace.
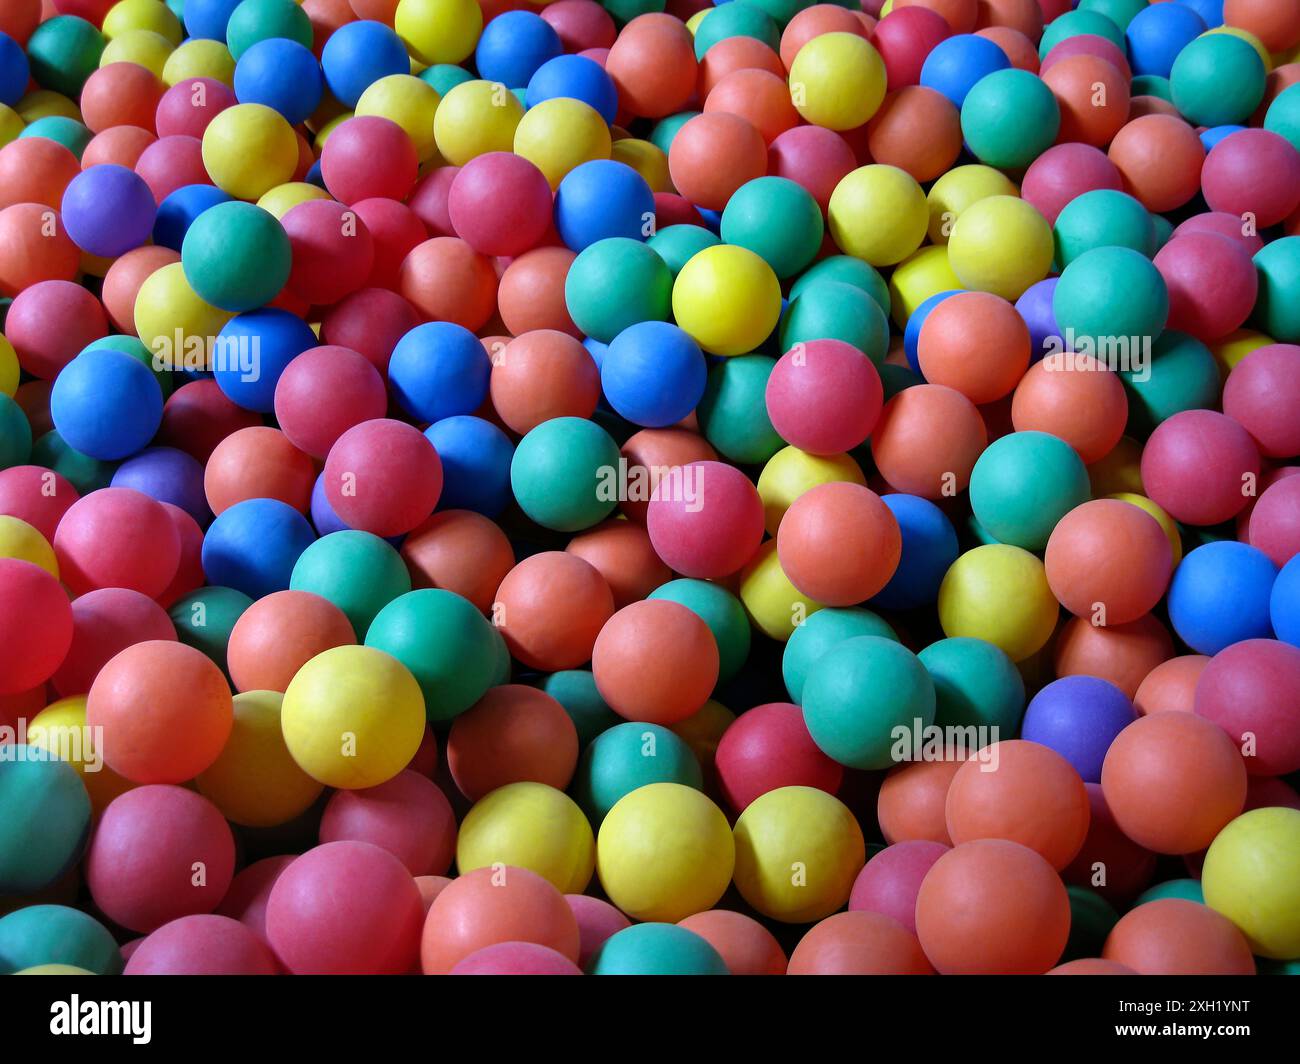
{"x":15,"y":434}
{"x":721,"y":611}
{"x":46,"y":819}
{"x":1023,"y":484}
{"x":1181,"y":375}
{"x":358,"y":572}
{"x":628,"y":756}
{"x":1102,"y":218}
{"x":205,"y":619}
{"x":575,"y":690}
{"x":84,"y":473}
{"x":982,"y":536}
{"x":62,"y":130}
{"x":1283,"y":116}
{"x":134,"y":346}
{"x":656,"y":949}
{"x":1186,"y":889}
{"x":614,"y":283}
{"x":1217,"y":80}
{"x":56,"y":934}
{"x":1164,"y":229}
{"x":776,"y":219}
{"x":445,"y":642}
{"x":1077,"y":24}
{"x":177,"y":8}
{"x":445,"y":76}
{"x":564,"y":473}
{"x":975,"y":683}
{"x":820,"y":632}
{"x":737,"y":18}
{"x":1009,"y":118}
{"x":849,"y":270}
{"x":236,"y":256}
{"x":733,"y":412}
{"x":625,"y":11}
{"x":833,"y":310}
{"x":866,"y":697}
{"x":1120,"y":12}
{"x":1153,"y":85}
{"x":64,"y":52}
{"x":1277,"y":307}
{"x":1091,"y":920}
{"x":678,"y":243}
{"x":260,"y":20}
{"x":666,"y":129}
{"x":1109,"y":296}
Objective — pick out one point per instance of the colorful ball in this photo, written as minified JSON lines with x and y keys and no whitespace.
{"x":531,"y":826}
{"x":1248,"y":878}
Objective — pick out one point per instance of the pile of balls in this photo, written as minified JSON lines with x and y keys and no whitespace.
{"x":492,"y":487}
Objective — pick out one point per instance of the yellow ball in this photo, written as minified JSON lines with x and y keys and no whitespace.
{"x":798,"y":851}
{"x":1166,"y":523}
{"x":837,"y":80}
{"x":255,"y":781}
{"x":1119,"y":471}
{"x":474,"y":118}
{"x":54,"y":969}
{"x":46,"y":103}
{"x":11,"y":124}
{"x":61,"y":729}
{"x":409,"y":102}
{"x":248,"y":149}
{"x":1236,"y":346}
{"x":283,"y":198}
{"x":878,"y":214}
{"x":174,"y":322}
{"x":439,"y":31}
{"x":693,"y":23}
{"x":728,"y":299}
{"x":958,"y":189}
{"x":127,"y":15}
{"x":323,"y":134}
{"x":144,"y":47}
{"x":20,"y":540}
{"x":9,"y":369}
{"x":919,"y":276}
{"x":790,"y":472}
{"x":774,"y":604}
{"x":999,"y":593}
{"x":200,"y":58}
{"x":1252,"y":876}
{"x":559,"y":134}
{"x":533,"y":826}
{"x":664,"y":853}
{"x":646,"y":159}
{"x":353,"y":717}
{"x":1001,"y":244}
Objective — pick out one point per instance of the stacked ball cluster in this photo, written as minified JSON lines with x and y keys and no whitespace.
{"x":619,"y":487}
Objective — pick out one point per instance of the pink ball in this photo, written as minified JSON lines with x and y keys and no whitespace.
{"x":160,"y":852}
{"x":35,"y":626}
{"x":408,"y":816}
{"x":345,"y":908}
{"x":712,"y":527}
{"x":250,"y":890}
{"x":769,"y":747}
{"x":1229,"y":225}
{"x":202,"y":944}
{"x":429,"y":200}
{"x":1275,"y":521}
{"x":188,"y":106}
{"x":904,"y":38}
{"x":324,"y":392}
{"x":333,"y":252}
{"x":50,"y":323}
{"x":1195,"y":466}
{"x":394,"y":230}
{"x":813,"y":157}
{"x":1212,"y":284}
{"x":369,"y":156}
{"x":1065,"y":171}
{"x":370,"y":322}
{"x":824,"y":396}
{"x":170,"y":163}
{"x":597,"y":920}
{"x":117,"y":537}
{"x":383,"y":476}
{"x":1253,"y":171}
{"x":581,"y":24}
{"x":1088,"y":44}
{"x":1250,"y":689}
{"x":1262,"y":393}
{"x":104,"y":623}
{"x":500,"y":204}
{"x":36,"y":495}
{"x":189,"y":570}
{"x":516,"y":958}
{"x":890,"y":881}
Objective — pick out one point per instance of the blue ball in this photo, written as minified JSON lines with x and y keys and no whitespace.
{"x":15,"y":71}
{"x":322,"y":513}
{"x":513,"y":46}
{"x":601,"y":199}
{"x":1220,"y":595}
{"x":929,"y":548}
{"x":912,"y":334}
{"x":1035,"y":306}
{"x":956,"y":64}
{"x":596,"y":349}
{"x":1284,"y":603}
{"x":1078,"y":717}
{"x":1209,"y":10}
{"x":254,"y":545}
{"x":108,"y":210}
{"x":176,"y":213}
{"x":653,"y":374}
{"x":1159,"y":32}
{"x":438,"y":370}
{"x":1211,"y":137}
{"x":168,"y":475}
{"x":575,"y":77}
{"x":208,"y":18}
{"x":357,"y":55}
{"x":252,"y":351}
{"x":282,"y":75}
{"x":475,"y":457}
{"x":106,"y":404}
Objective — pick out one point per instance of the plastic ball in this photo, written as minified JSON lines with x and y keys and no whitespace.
{"x":629,"y":756}
{"x":1217,"y":79}
{"x":542,"y":744}
{"x":1009,"y":117}
{"x":438,"y":31}
{"x":927,"y":441}
{"x":248,"y":149}
{"x":917,"y":130}
{"x":656,"y":949}
{"x":1275,"y":522}
{"x":889,"y":882}
{"x":324,"y":392}
{"x":878,"y":213}
{"x":408,"y":816}
{"x":447,"y":280}
{"x":1244,"y":690}
{"x":1023,"y":484}
{"x":713,"y":155}
{"x":746,"y":947}
{"x":727,"y":299}
{"x":202,"y":944}
{"x":47,"y":833}
{"x":516,"y":958}
{"x":824,"y":523}
{"x":837,"y":310}
{"x":653,"y":65}
{"x":615,"y":283}
{"x":543,"y":374}
{"x":1198,"y":465}
{"x":1247,"y":877}
{"x":955,"y":64}
{"x":653,"y":374}
{"x":236,"y":256}
{"x":106,"y":404}
{"x":280,"y":74}
{"x":56,"y":934}
{"x":368,"y":156}
{"x":561,"y":474}
{"x":97,"y":543}
{"x":531,"y":826}
{"x":859,"y":943}
{"x":1260,"y":395}
{"x":1173,"y":936}
{"x":383,"y":477}
{"x":1000,"y":244}
{"x":108,"y":210}
{"x":705,"y":519}
{"x":482,"y":187}
{"x":1073,"y":397}
{"x":1000,"y":594}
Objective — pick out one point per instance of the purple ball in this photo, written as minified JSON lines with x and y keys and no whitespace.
{"x":1035,"y":306}
{"x":322,"y":513}
{"x":108,"y":210}
{"x":890,"y":881}
{"x":1078,"y":717}
{"x":168,"y":475}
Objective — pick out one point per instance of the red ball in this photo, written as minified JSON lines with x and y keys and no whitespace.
{"x":35,"y":170}
{"x":202,"y":944}
{"x":189,"y":571}
{"x":369,"y":156}
{"x":839,"y":544}
{"x":513,"y":734}
{"x":550,"y":609}
{"x":1252,"y":691}
{"x":1228,"y":225}
{"x":1212,"y":284}
{"x":1262,"y":394}
{"x":1253,"y":171}
{"x":324,"y":392}
{"x":104,"y":623}
{"x":383,"y":476}
{"x":904,"y":38}
{"x":769,"y":747}
{"x":705,"y":519}
{"x":531,"y":295}
{"x":36,"y":625}
{"x":1275,"y":521}
{"x":429,"y":200}
{"x":246,"y":899}
{"x":858,"y":943}
{"x":117,"y":537}
{"x":581,"y":24}
{"x":394,"y":230}
{"x":36,"y":495}
{"x":1065,"y":171}
{"x":51,"y":323}
{"x":824,"y":396}
{"x":1128,"y":867}
{"x":1174,"y":936}
{"x":1196,"y":466}
{"x":333,"y":252}
{"x":170,"y":163}
{"x":198,"y":416}
{"x":891,"y":880}
{"x":188,"y":106}
{"x":813,"y":157}
{"x":370,"y":322}
{"x":500,"y":204}
{"x":408,"y":816}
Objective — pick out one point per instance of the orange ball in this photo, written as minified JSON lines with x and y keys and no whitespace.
{"x":1091,"y":966}
{"x":1018,"y":48}
{"x":540,"y":375}
{"x":652,"y":63}
{"x":1024,"y":792}
{"x":1108,"y":562}
{"x":655,"y":661}
{"x":258,"y":463}
{"x":1124,"y":654}
{"x":1171,"y":685}
{"x":447,"y":280}
{"x":1141,"y":106}
{"x":34,"y":247}
{"x":659,"y":449}
{"x":513,"y":734}
{"x":124,"y":278}
{"x":35,"y":170}
{"x":121,"y":94}
{"x":277,"y":635}
{"x":531,"y":292}
{"x":839,"y":544}
{"x":19,"y":18}
{"x":1173,"y":781}
{"x":961,"y":15}
{"x":622,"y":553}
{"x":550,"y":608}
{"x":1078,"y":82}
{"x":736,"y":53}
{"x":813,"y":22}
{"x":992,"y":907}
{"x":858,"y":943}
{"x":912,"y":803}
{"x":1159,"y":158}
{"x":1077,"y":400}
{"x":376,"y":10}
{"x":1023,"y":16}
{"x":747,"y":947}
{"x":459,"y":551}
{"x":1275,"y":22}
{"x":917,"y":130}
{"x":121,"y":145}
{"x":491,"y":905}
{"x":714,"y":154}
{"x":1278,"y":81}
{"x":1174,"y":936}
{"x":927,"y":440}
{"x":759,"y":97}
{"x":165,"y":710}
{"x":977,"y":343}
